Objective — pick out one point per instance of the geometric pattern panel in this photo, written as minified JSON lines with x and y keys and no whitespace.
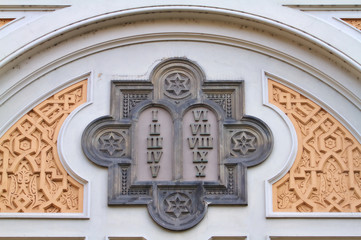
{"x":325,"y":176}
{"x":32,"y":178}
{"x":355,"y":22}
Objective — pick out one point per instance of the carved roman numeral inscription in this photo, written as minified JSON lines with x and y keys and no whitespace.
{"x":154,"y":145}
{"x":200,"y":141}
{"x":180,"y":133}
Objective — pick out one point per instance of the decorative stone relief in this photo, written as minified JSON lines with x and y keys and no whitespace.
{"x":32,"y":178}
{"x":183,"y":145}
{"x":200,"y":145}
{"x":154,"y":136}
{"x":325,"y":176}
{"x":130,"y":101}
{"x":113,"y":143}
{"x":356,"y":22}
{"x":224,"y":100}
{"x":243,"y":143}
{"x":177,"y":85}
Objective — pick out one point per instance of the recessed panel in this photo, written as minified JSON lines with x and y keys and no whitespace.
{"x":154,"y":145}
{"x":200,"y":145}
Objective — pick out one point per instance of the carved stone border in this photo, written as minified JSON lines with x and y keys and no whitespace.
{"x":177,"y":86}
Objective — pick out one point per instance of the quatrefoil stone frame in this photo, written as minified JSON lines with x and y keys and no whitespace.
{"x":177,"y":143}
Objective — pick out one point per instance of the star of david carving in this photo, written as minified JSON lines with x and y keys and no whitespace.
{"x":111,"y":143}
{"x":177,"y":144}
{"x":177,"y":84}
{"x":244,"y":143}
{"x":178,"y":205}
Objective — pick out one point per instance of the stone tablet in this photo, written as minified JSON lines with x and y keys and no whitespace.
{"x":177,"y":143}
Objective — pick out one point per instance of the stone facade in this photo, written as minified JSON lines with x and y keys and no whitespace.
{"x":162,"y":120}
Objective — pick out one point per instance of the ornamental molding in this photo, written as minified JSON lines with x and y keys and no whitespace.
{"x":177,"y":143}
{"x":70,"y":53}
{"x":332,"y":141}
{"x":34,"y":180}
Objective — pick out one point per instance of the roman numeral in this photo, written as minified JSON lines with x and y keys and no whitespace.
{"x":200,"y":170}
{"x":154,"y":170}
{"x":202,"y":128}
{"x":154,"y":142}
{"x":200,"y":156}
{"x":200,"y":115}
{"x":154,"y":156}
{"x":200,"y":142}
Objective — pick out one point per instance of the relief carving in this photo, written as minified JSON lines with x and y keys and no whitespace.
{"x":154,"y":145}
{"x":130,"y":101}
{"x":177,"y":205}
{"x":112,"y":142}
{"x":224,"y":100}
{"x":178,"y":151}
{"x":243,"y":143}
{"x":177,"y":85}
{"x":325,"y":176}
{"x":32,"y":178}
{"x":201,"y":141}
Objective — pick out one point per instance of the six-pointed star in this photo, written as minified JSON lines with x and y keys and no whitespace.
{"x":244,"y":143}
{"x":177,"y":205}
{"x":177,"y":84}
{"x":111,"y":143}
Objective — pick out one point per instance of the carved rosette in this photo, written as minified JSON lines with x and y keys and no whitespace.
{"x":177,"y":85}
{"x":325,"y":176}
{"x":176,"y":208}
{"x":243,"y":143}
{"x":113,"y":143}
{"x":32,"y":178}
{"x":166,"y":152}
{"x":177,"y":205}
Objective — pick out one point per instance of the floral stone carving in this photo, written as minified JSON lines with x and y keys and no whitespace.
{"x":183,"y":145}
{"x":32,"y":178}
{"x":325,"y":176}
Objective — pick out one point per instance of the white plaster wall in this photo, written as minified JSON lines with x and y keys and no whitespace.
{"x":220,"y":60}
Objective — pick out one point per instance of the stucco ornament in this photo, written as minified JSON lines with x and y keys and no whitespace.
{"x":325,"y":176}
{"x":177,"y":143}
{"x":32,"y":177}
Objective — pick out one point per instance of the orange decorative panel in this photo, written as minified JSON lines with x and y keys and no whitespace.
{"x":325,"y":176}
{"x":4,"y":21}
{"x":356,"y":22}
{"x":32,"y":178}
